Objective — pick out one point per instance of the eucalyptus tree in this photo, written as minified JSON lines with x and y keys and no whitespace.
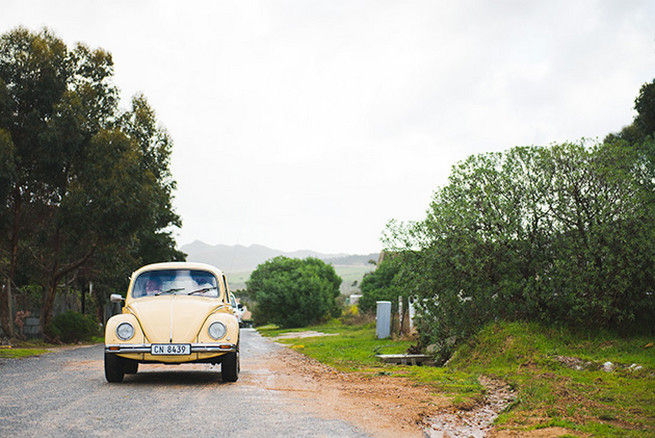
{"x":34,"y":70}
{"x":85,"y":178}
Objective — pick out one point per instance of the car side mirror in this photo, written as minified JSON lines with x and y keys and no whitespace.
{"x":116,"y":298}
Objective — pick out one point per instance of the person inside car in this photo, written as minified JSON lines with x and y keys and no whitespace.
{"x":152,"y":286}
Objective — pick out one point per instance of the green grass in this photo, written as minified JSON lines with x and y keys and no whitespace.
{"x":17,"y":353}
{"x":355,"y":347}
{"x":549,"y":393}
{"x":34,"y":347}
{"x":590,"y":400}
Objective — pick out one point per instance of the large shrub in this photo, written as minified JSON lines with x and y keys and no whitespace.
{"x":561,"y":234}
{"x":72,"y":327}
{"x":293,"y":292}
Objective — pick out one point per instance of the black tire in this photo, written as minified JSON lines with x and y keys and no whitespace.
{"x":230,"y":367}
{"x":114,"y":368}
{"x":131,"y":366}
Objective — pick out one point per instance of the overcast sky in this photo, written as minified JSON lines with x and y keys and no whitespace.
{"x":310,"y":124}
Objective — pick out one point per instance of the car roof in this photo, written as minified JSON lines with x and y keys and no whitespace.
{"x":178,"y":265}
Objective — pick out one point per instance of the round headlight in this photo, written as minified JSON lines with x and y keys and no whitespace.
{"x":217,"y":330}
{"x":125,"y":331}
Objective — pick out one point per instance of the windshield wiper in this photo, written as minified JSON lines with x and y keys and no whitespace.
{"x":203,"y":290}
{"x":169,"y":291}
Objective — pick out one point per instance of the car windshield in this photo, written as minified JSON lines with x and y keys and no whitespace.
{"x":175,"y":281}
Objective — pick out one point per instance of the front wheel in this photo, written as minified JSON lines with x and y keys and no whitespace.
{"x":114,"y":368}
{"x":131,"y":366}
{"x":230,"y":367}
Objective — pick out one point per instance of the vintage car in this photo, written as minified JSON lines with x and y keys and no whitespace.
{"x":236,"y":308}
{"x":174,"y":313}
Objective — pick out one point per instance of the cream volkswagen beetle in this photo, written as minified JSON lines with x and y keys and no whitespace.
{"x":174,"y":313}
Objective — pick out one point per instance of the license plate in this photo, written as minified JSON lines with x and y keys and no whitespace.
{"x":170,"y":349}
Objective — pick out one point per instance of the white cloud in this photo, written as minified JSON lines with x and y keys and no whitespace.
{"x":311,"y":124}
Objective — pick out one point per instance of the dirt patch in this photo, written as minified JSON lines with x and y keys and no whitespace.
{"x":383,"y":406}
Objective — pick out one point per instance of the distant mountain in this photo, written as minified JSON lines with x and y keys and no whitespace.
{"x":239,"y":258}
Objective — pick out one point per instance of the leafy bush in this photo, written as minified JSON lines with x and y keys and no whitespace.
{"x":561,"y":234}
{"x":381,"y":285}
{"x":293,"y":292}
{"x":72,"y":327}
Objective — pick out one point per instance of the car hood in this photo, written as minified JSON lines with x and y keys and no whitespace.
{"x":173,"y":318}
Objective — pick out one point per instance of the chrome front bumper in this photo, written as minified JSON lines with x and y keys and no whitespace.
{"x":147,"y":348}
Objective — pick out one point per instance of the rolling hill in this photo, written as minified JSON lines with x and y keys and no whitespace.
{"x":238,"y":261}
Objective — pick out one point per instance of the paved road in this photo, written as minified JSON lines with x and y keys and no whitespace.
{"x":64,"y":394}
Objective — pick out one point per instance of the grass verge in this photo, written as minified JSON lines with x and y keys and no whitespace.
{"x":17,"y":353}
{"x":35,"y":347}
{"x":24,"y":349}
{"x":560,"y":377}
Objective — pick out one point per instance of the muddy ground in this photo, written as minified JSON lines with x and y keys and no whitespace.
{"x":388,"y":406}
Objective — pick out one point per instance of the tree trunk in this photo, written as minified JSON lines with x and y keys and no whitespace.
{"x":395,"y":319}
{"x":47,"y":305}
{"x":6,"y":311}
{"x":50,"y":288}
{"x":404,"y":316}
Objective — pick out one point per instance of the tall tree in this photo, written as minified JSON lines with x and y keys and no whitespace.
{"x":85,"y":179}
{"x":645,"y":106}
{"x":34,"y":70}
{"x":562,"y":233}
{"x":643,"y":125}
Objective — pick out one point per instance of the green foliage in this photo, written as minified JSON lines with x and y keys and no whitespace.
{"x":643,"y":126}
{"x":83,"y":185}
{"x":559,"y":234}
{"x":72,"y":327}
{"x":293,"y":292}
{"x":353,"y":349}
{"x":383,"y":284}
{"x":18,"y":353}
{"x":645,"y":106}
